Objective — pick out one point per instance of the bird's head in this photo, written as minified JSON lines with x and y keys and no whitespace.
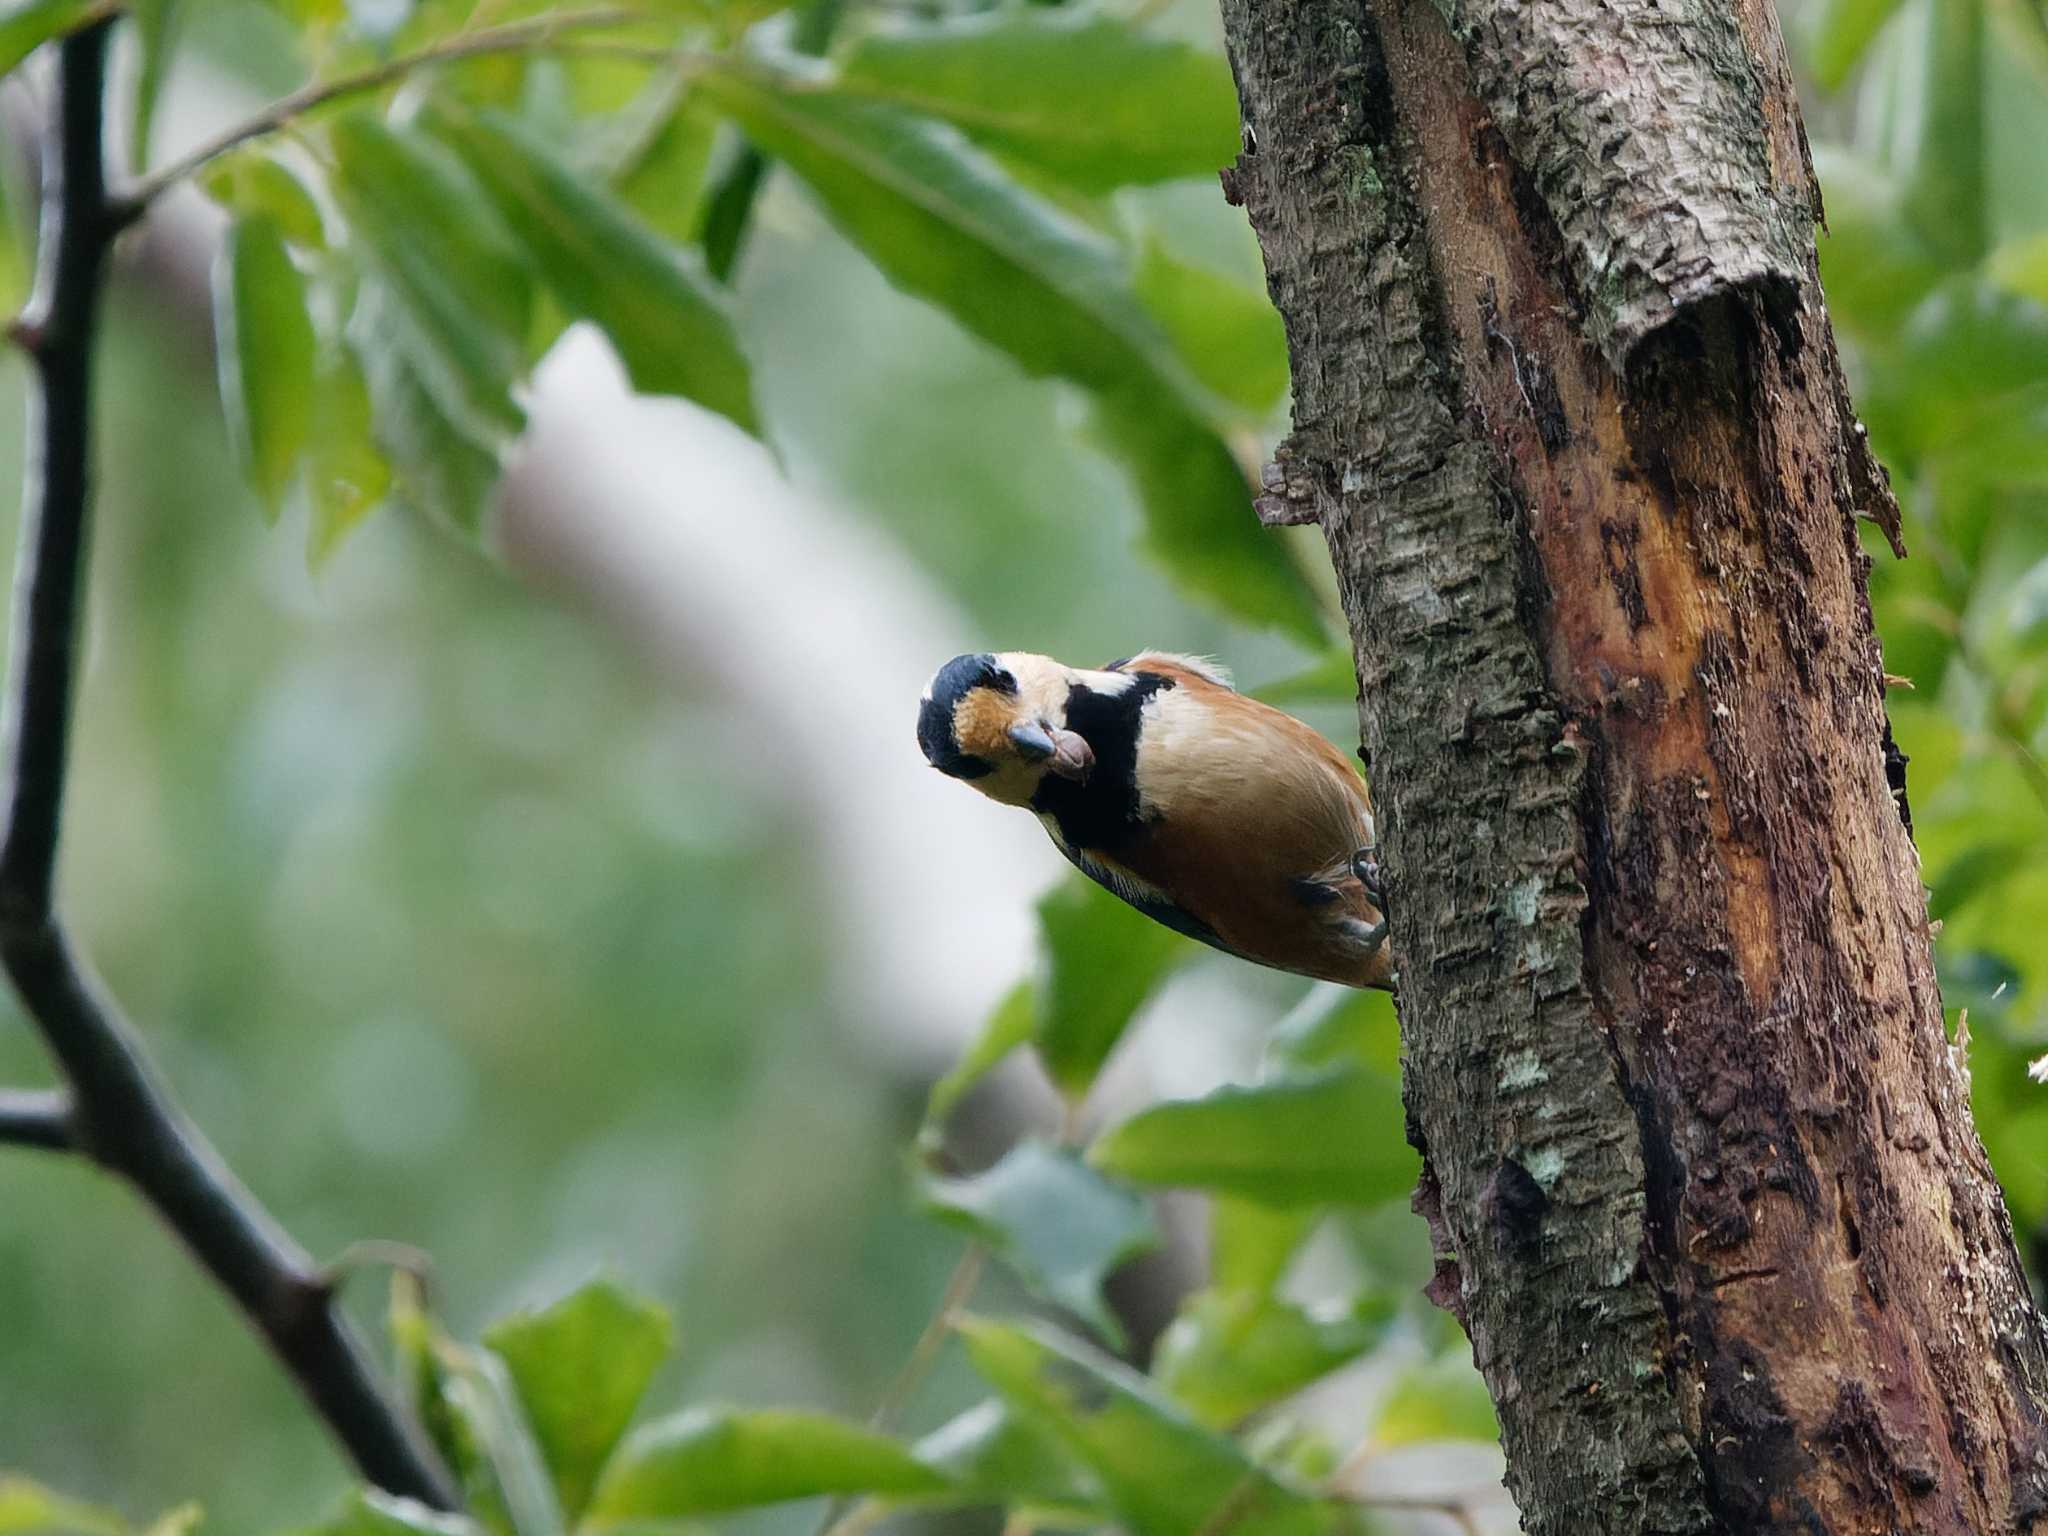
{"x":999,"y":722}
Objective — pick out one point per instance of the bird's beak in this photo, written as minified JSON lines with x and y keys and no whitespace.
{"x":1072,"y":757}
{"x":1033,"y":742}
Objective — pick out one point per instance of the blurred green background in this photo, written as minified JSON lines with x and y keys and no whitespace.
{"x":461,"y":913}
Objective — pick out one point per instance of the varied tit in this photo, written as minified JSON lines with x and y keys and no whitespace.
{"x":1215,"y":814}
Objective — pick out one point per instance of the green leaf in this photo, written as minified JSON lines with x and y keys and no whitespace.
{"x":1089,"y":99}
{"x":1060,"y":1225}
{"x":1103,"y":959}
{"x":1009,"y":1026}
{"x":1331,"y":1139}
{"x":663,"y":180}
{"x":252,"y":182}
{"x":1839,"y":32}
{"x":264,"y":341}
{"x":946,"y":223}
{"x":346,"y":475}
{"x":29,"y":1509}
{"x":156,"y":29}
{"x":445,"y":466}
{"x":1228,"y":333}
{"x":1977,"y":870}
{"x":1162,"y":1472}
{"x":26,"y":25}
{"x":458,"y":1398}
{"x":1944,"y":185}
{"x":1231,"y":1353}
{"x":580,"y":1368}
{"x":1199,"y":522}
{"x":1874,"y":266}
{"x":1443,"y":1400}
{"x":1251,"y":1245}
{"x":370,"y":1512}
{"x":709,"y":1460}
{"x":665,"y":316}
{"x":427,"y":232}
{"x":989,"y":1454}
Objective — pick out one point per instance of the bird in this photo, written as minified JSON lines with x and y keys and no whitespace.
{"x":1219,"y":816}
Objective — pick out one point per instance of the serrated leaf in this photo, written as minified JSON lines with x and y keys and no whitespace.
{"x":1162,"y":1472}
{"x":1329,"y":1139}
{"x":1228,"y":332}
{"x":1442,"y":1400}
{"x":710,"y":1460}
{"x":264,"y":342}
{"x":1058,"y":1224}
{"x":1009,"y":1026}
{"x":1228,"y":1354}
{"x":442,"y":254}
{"x":580,"y":1368}
{"x":25,"y":25}
{"x":990,"y":1455}
{"x":1103,"y":959}
{"x":667,"y":319}
{"x":1093,"y":101}
{"x":1199,"y":522}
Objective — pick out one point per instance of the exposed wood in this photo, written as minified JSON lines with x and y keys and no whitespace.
{"x":1697,"y":1148}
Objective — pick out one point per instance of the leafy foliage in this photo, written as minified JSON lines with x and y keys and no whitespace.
{"x":485,"y":175}
{"x":400,"y":257}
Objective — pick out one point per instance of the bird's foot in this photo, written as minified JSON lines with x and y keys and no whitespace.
{"x":1367,"y":869}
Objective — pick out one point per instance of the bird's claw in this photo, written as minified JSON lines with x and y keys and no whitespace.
{"x":1367,"y":869}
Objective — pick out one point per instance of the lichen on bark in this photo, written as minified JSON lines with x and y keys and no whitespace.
{"x":1698,"y":1157}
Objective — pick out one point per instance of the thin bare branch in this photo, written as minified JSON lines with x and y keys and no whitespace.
{"x":37,"y":1119}
{"x":539,"y":33}
{"x":121,"y":1114}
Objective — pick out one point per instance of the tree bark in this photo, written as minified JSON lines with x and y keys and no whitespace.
{"x":1697,"y":1149}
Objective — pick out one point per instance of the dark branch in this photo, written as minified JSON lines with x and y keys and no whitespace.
{"x":121,"y":1114}
{"x":36,"y":1119}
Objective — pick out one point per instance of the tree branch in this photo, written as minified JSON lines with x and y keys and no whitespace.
{"x":37,"y":1119}
{"x":513,"y":37}
{"x":123,"y":1117}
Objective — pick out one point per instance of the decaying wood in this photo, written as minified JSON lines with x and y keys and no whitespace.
{"x":1698,"y":1154}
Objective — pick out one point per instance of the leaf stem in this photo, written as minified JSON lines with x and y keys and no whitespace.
{"x":119,"y":1111}
{"x":511,"y":37}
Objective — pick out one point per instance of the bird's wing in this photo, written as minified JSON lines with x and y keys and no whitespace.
{"x":1147,"y":898}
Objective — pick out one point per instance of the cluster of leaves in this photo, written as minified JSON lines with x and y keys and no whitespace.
{"x":456,"y":183}
{"x":1936,"y":269}
{"x":538,"y":1420}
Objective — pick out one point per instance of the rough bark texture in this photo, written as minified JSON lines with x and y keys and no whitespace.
{"x":1698,"y":1154}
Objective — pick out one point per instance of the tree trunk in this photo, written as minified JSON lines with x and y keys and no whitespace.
{"x":1698,"y":1154}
